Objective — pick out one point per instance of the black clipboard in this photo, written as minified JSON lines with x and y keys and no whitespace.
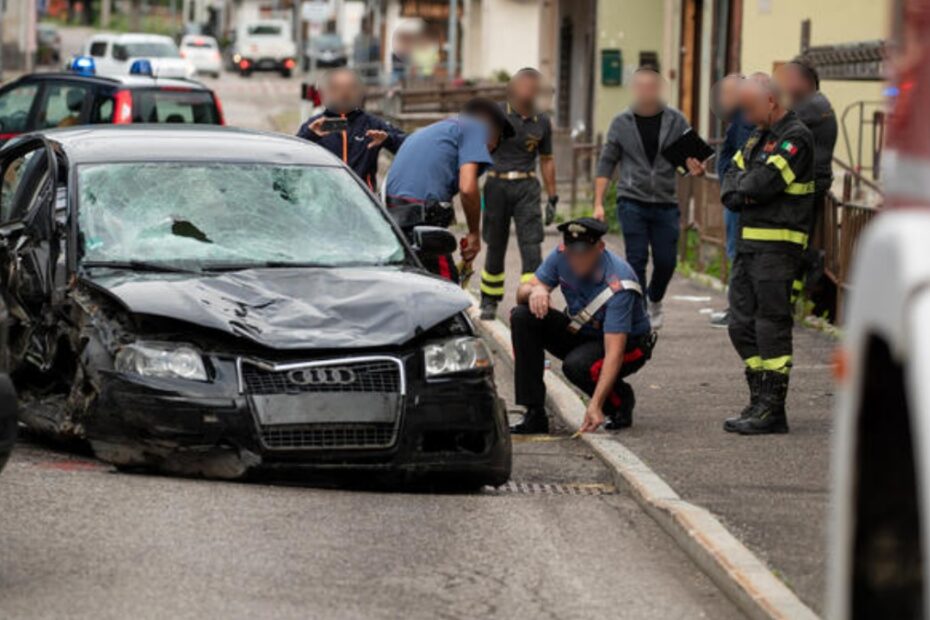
{"x":690,"y":144}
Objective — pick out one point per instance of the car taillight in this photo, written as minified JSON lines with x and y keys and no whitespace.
{"x":219,"y":109}
{"x":123,"y":113}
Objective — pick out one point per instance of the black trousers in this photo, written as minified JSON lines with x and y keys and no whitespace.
{"x":761,"y":308}
{"x":582,"y":357}
{"x":504,"y":200}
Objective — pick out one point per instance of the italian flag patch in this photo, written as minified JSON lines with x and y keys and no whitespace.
{"x":788,"y":147}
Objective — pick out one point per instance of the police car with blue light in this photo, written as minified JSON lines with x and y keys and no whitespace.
{"x":79,"y":96}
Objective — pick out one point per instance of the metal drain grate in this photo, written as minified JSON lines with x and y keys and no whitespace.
{"x":546,"y":488}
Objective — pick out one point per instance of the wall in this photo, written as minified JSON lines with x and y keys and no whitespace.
{"x":510,"y":36}
{"x":632,"y":26}
{"x":772,"y":32}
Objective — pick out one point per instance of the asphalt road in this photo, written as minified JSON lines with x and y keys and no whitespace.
{"x":80,"y":540}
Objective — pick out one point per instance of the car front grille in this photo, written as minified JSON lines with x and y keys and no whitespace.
{"x":328,"y":436}
{"x":373,"y":376}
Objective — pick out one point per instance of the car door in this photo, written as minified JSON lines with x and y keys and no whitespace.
{"x":63,"y":103}
{"x":17,"y":108}
{"x":30,"y":251}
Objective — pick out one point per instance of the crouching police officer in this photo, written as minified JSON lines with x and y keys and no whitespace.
{"x":771,"y":185}
{"x":603,"y":337}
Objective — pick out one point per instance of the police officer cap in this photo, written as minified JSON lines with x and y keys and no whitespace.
{"x":583,"y":233}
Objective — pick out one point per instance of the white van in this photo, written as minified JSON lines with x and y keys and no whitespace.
{"x":114,"y":54}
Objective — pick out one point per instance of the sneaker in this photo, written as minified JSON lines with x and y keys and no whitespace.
{"x":654,"y":310}
{"x":720,"y":319}
{"x":488,"y":309}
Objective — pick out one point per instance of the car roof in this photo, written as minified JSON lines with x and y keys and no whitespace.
{"x":131,"y":37}
{"x":127,"y":81}
{"x":190,"y":143}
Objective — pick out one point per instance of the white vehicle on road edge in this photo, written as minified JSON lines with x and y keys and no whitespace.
{"x":203,"y":52}
{"x":880,"y":526}
{"x":114,"y":54}
{"x":265,"y":45}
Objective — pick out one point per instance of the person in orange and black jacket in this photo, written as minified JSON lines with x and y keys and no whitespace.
{"x":365,"y":134}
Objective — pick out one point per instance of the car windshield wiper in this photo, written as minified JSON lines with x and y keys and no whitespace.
{"x":270,"y":264}
{"x":138,"y":265}
{"x":274,"y":264}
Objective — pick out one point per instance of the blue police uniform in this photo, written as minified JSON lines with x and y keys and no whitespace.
{"x":582,"y":350}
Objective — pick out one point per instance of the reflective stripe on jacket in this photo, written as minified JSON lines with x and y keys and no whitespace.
{"x":771,"y":184}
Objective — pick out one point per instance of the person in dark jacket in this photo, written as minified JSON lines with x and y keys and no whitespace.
{"x":771,"y":185}
{"x":737,"y":132}
{"x":800,"y":83}
{"x":365,"y":134}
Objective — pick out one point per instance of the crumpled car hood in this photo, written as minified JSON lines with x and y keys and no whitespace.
{"x":294,"y":308}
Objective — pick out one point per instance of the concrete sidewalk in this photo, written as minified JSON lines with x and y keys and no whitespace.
{"x":771,"y":492}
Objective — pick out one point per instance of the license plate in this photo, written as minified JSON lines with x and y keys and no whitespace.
{"x":325,"y":408}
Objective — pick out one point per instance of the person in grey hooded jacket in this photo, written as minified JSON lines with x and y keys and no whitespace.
{"x":647,"y":202}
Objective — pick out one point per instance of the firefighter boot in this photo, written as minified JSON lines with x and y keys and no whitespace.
{"x":535,"y":422}
{"x":768,"y":415}
{"x":488,"y":308}
{"x":754,"y":381}
{"x":623,"y":417}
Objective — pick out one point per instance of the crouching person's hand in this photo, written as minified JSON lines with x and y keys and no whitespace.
{"x":593,"y":418}
{"x":539,"y":301}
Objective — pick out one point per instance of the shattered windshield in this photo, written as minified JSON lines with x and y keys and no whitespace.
{"x":202,"y":216}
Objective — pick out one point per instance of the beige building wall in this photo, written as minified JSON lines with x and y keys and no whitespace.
{"x":501,"y":35}
{"x":772,"y":33}
{"x":632,"y":26}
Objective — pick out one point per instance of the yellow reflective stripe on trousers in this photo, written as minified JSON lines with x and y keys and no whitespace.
{"x":774,"y":234}
{"x":526,"y":277}
{"x":782,"y":164}
{"x":800,"y":189}
{"x":493,"y":291}
{"x":777,"y":364}
{"x":754,"y":362}
{"x":739,"y":161}
{"x":492,"y":278}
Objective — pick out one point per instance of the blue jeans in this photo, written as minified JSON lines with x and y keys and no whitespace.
{"x":731,"y":222}
{"x":650,"y":227}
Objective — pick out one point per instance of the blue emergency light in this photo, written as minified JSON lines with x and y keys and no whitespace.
{"x":83,"y":65}
{"x":142,"y":66}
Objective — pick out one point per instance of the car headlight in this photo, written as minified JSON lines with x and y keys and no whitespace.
{"x":150,"y":359}
{"x":455,"y":355}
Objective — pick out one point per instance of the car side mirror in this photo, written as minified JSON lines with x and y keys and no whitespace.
{"x":433,"y":241}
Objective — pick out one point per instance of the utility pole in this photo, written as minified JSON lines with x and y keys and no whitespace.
{"x":105,"y":7}
{"x":453,"y":42}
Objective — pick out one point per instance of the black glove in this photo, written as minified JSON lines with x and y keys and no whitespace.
{"x":550,"y":209}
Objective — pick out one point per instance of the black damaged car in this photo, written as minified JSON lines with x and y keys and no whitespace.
{"x":213,"y":302}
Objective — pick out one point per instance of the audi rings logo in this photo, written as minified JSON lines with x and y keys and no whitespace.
{"x":322,"y":376}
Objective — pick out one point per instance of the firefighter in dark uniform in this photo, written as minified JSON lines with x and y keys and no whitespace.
{"x":512,"y":190}
{"x":771,"y":185}
{"x":603,"y":336}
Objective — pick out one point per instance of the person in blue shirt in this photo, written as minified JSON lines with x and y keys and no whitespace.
{"x":365,"y":134}
{"x":442,"y":160}
{"x":603,"y":336}
{"x":737,"y":132}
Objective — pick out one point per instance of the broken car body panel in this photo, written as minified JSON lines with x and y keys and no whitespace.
{"x":296,"y":308}
{"x":219,"y":301}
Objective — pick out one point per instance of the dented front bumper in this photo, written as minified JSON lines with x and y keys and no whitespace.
{"x":452,"y":426}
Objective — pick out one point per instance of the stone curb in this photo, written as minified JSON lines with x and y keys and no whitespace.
{"x":742,"y":576}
